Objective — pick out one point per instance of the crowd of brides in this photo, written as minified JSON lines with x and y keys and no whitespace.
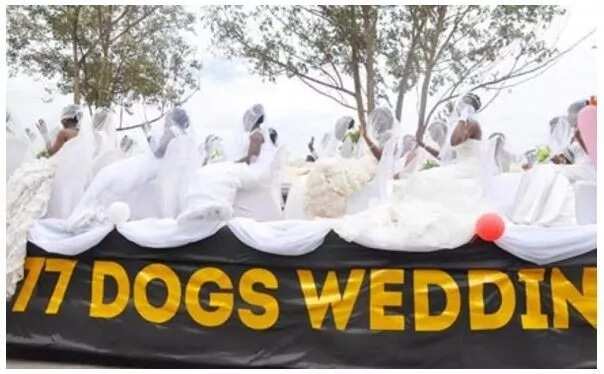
{"x":368,"y":183}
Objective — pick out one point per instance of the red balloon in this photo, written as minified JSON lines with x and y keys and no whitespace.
{"x":490,"y":227}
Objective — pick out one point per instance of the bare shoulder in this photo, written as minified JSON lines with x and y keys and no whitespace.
{"x":257,"y":136}
{"x":474,"y":129}
{"x":67,"y":134}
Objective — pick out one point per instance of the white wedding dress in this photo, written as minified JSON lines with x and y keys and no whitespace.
{"x":546,"y":194}
{"x":432,"y":209}
{"x":212,"y":196}
{"x":51,"y":187}
{"x":150,"y":186}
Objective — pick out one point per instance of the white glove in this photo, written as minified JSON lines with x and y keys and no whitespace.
{"x":30,"y":134}
{"x":43,"y":129}
{"x":41,"y":126}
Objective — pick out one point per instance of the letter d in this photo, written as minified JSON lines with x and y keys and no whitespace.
{"x":101,"y":270}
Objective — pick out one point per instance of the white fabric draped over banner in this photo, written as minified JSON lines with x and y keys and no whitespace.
{"x":287,"y":238}
{"x":539,"y":245}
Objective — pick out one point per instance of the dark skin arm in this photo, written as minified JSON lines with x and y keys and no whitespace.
{"x":561,"y":159}
{"x":256,"y":141}
{"x":62,"y":137}
{"x":430,"y":150}
{"x":465,"y":130}
{"x":375,"y":149}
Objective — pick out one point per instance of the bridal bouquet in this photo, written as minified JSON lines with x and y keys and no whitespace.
{"x":330,"y":184}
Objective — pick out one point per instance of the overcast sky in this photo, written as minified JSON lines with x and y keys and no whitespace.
{"x":228,"y":89}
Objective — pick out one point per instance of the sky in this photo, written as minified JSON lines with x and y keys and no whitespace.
{"x":228,"y":88}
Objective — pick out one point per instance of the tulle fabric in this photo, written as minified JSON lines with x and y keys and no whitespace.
{"x":433,"y":209}
{"x":46,"y":188}
{"x":28,"y":192}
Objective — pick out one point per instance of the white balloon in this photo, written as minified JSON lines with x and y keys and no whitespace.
{"x":119,"y":212}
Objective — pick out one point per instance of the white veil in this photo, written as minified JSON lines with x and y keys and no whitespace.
{"x":561,"y":133}
{"x":178,"y":164}
{"x":106,"y":147}
{"x":19,"y":147}
{"x":250,"y":118}
{"x":212,"y":149}
{"x":336,"y":143}
{"x":73,"y":166}
{"x":462,"y":111}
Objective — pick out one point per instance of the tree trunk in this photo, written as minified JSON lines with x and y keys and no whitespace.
{"x":370,"y":35}
{"x":356,"y":75}
{"x":76,"y":58}
{"x":358,"y":94}
{"x":403,"y":87}
{"x":421,"y":124}
{"x":105,"y":19}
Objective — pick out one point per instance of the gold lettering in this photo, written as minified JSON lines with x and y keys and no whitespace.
{"x":149,"y":312}
{"x":479,"y":320}
{"x":222,"y":301}
{"x":269,"y":303}
{"x":100,"y":271}
{"x":424,"y":321}
{"x":379,"y":298}
{"x":341,"y":305}
{"x":564,"y":293}
{"x":65,"y":269}
{"x":533,"y":319}
{"x":33,"y":266}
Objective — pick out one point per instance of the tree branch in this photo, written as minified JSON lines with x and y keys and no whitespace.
{"x":339,"y":101}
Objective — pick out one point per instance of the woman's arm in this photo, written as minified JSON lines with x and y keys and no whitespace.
{"x":256,"y":141}
{"x":62,"y":137}
{"x":375,"y":149}
{"x":159,"y":146}
{"x":430,"y":150}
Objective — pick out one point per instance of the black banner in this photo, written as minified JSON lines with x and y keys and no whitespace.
{"x":217,"y":303}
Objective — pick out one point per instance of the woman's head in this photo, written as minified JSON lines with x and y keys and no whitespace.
{"x":438,"y":132}
{"x":381,"y":123}
{"x":253,"y":118}
{"x":473,"y":100}
{"x":274,"y":135}
{"x":102,"y":119}
{"x":497,"y":137}
{"x":468,"y":104}
{"x":71,"y":116}
{"x":177,"y":117}
{"x":342,"y":126}
{"x":574,"y":109}
{"x":408,"y":143}
{"x":211,"y":142}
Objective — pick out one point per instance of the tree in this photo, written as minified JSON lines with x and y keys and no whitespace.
{"x":367,"y":53}
{"x":106,"y":55}
{"x":473,"y":48}
{"x":331,"y":49}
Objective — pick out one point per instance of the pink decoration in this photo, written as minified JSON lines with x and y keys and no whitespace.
{"x":587,"y":124}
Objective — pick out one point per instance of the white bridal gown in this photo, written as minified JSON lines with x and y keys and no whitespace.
{"x":150,"y":186}
{"x":432,"y":209}
{"x":211,"y":197}
{"x":546,"y":194}
{"x":51,"y":187}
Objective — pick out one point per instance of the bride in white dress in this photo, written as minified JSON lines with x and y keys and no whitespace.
{"x":337,"y":148}
{"x":150,"y":184}
{"x":546,"y":194}
{"x":211,"y":195}
{"x":435,"y":208}
{"x":335,"y":184}
{"x":248,"y":187}
{"x":51,"y":187}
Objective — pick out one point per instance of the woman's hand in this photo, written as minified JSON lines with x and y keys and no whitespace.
{"x":41,"y":126}
{"x":43,"y":129}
